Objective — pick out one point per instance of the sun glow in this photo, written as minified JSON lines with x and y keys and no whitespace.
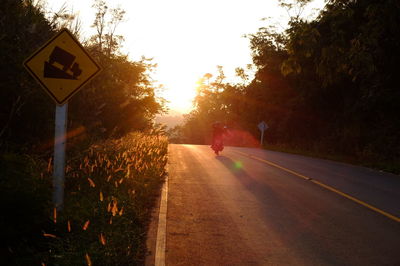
{"x":179,"y":90}
{"x":186,"y":39}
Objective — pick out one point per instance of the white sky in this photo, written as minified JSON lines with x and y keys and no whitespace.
{"x":187,"y":38}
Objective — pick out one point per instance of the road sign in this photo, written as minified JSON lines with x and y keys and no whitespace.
{"x":62,"y":66}
{"x":262,"y":126}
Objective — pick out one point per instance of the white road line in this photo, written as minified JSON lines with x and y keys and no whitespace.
{"x":162,"y":227}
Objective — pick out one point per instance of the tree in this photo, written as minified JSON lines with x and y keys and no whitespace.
{"x":342,"y":67}
{"x":106,"y":23}
{"x":121,"y":98}
{"x":327,"y":85}
{"x":20,"y":23}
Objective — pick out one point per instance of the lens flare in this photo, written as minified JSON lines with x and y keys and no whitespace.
{"x":238,"y":165}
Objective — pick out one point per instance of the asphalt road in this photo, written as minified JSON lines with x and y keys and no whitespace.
{"x":235,"y":209}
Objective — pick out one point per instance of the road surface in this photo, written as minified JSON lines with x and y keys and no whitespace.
{"x":255,"y":207}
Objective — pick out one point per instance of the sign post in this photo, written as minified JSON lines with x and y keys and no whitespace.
{"x":61,"y":66}
{"x":59,"y":155}
{"x":262,"y":126}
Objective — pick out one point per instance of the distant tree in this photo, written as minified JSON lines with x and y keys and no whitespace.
{"x":175,"y":135}
{"x":106,"y":23}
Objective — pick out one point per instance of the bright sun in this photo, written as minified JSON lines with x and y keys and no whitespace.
{"x":186,"y":39}
{"x":179,"y":92}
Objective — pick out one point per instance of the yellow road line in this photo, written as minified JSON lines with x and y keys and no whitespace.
{"x":277,"y":166}
{"x":390,"y":216}
{"x":397,"y":219}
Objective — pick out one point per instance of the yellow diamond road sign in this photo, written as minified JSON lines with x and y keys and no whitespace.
{"x":62,"y":66}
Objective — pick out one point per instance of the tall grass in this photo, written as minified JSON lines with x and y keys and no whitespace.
{"x":109,"y":192}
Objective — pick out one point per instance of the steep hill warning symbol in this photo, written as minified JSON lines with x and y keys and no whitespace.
{"x":61,"y":65}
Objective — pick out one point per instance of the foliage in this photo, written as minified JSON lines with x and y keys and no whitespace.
{"x":349,"y":54}
{"x":209,"y":108}
{"x":109,"y":192}
{"x":119,"y":100}
{"x":25,"y":197}
{"x":23,"y":28}
{"x":328,"y":85}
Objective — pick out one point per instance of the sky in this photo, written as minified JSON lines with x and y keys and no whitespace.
{"x":188,"y":38}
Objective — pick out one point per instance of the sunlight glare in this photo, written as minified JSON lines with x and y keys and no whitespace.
{"x":180,"y":90}
{"x":187,"y":39}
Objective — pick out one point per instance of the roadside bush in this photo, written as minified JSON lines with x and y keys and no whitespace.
{"x":25,"y":199}
{"x":110,"y":190}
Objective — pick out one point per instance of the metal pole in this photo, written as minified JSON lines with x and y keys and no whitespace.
{"x":59,"y":155}
{"x":262,"y":137}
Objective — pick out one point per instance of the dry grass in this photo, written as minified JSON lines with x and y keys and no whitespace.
{"x":110,"y":190}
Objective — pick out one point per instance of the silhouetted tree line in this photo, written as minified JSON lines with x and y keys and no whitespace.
{"x":119,"y":100}
{"x":328,"y":85}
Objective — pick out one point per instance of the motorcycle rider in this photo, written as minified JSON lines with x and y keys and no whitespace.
{"x":219,"y":131}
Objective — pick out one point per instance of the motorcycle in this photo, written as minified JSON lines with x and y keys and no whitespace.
{"x":217,"y":145}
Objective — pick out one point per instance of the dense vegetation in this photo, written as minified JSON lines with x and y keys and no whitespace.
{"x":112,"y":175}
{"x":327,"y":86}
{"x":119,"y":100}
{"x":110,"y":190}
